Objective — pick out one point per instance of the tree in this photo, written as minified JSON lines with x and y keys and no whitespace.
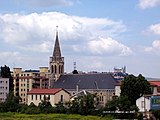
{"x":121,"y":104}
{"x":12,"y":103}
{"x":135,"y":87}
{"x":83,"y":105}
{"x":6,"y":73}
{"x":45,"y":105}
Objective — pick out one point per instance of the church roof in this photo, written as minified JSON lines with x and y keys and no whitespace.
{"x":86,"y":81}
{"x":57,"y":51}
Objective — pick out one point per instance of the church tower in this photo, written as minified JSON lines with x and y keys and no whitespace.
{"x":56,"y":62}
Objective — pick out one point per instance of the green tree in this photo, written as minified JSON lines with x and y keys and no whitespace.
{"x":135,"y":87}
{"x":12,"y":103}
{"x":83,"y":105}
{"x":121,"y":103}
{"x":5,"y":71}
{"x":60,"y":108}
{"x":45,"y":105}
{"x":31,"y":109}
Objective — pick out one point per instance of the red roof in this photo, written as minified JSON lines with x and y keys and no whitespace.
{"x":154,"y":83}
{"x":44,"y":91}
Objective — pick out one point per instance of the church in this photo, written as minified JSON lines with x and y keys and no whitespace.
{"x":100,"y":84}
{"x":53,"y":77}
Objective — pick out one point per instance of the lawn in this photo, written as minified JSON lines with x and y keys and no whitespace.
{"x":18,"y":116}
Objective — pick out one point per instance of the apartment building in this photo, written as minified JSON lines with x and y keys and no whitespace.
{"x":24,"y":81}
{"x":4,"y":88}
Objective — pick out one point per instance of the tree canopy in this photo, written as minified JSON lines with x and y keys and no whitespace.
{"x":135,"y":87}
{"x":5,"y":72}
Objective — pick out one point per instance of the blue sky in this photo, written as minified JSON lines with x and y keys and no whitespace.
{"x":98,"y":34}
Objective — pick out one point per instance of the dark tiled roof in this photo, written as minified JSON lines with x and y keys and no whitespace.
{"x":86,"y":81}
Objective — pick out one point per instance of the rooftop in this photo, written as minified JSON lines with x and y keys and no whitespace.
{"x":86,"y":81}
{"x":45,"y":91}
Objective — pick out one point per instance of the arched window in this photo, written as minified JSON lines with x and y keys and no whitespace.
{"x":55,"y":69}
{"x":52,"y":69}
{"x":59,"y":69}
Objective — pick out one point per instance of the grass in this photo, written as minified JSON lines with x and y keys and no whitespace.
{"x":18,"y":116}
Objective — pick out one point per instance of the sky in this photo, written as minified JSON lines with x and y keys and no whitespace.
{"x":96,"y":34}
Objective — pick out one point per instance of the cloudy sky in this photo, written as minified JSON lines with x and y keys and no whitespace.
{"x":96,"y":34}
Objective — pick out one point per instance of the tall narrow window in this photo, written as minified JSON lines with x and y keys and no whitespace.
{"x":142,"y":104}
{"x":36,"y":97}
{"x":55,"y":69}
{"x":62,"y":69}
{"x":32,"y":97}
{"x":59,"y":69}
{"x":61,"y":98}
{"x":52,"y":69}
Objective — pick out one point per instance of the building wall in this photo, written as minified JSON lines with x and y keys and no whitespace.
{"x":117,"y":90}
{"x":53,"y":98}
{"x":37,"y":98}
{"x":25,"y":81}
{"x":143,"y":104}
{"x":4,"y":88}
{"x":66,"y":97}
{"x":103,"y":96}
{"x":155,"y":91}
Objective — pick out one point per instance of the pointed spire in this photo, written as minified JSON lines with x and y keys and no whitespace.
{"x":57,"y":51}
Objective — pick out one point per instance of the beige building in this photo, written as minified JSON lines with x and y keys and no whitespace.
{"x":53,"y":95}
{"x":24,"y":81}
{"x":4,"y":88}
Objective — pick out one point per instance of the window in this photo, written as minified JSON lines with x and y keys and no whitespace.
{"x":52,"y":69}
{"x":48,"y":97}
{"x":142,"y":104}
{"x":55,"y":69}
{"x":102,"y":98}
{"x":40,"y":97}
{"x":36,"y":97}
{"x":32,"y":97}
{"x":61,"y":98}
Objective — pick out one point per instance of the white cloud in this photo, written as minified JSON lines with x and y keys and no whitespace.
{"x":36,"y":32}
{"x":155,"y":29}
{"x":108,"y":46}
{"x":148,"y":3}
{"x":8,"y":57}
{"x":155,"y":48}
